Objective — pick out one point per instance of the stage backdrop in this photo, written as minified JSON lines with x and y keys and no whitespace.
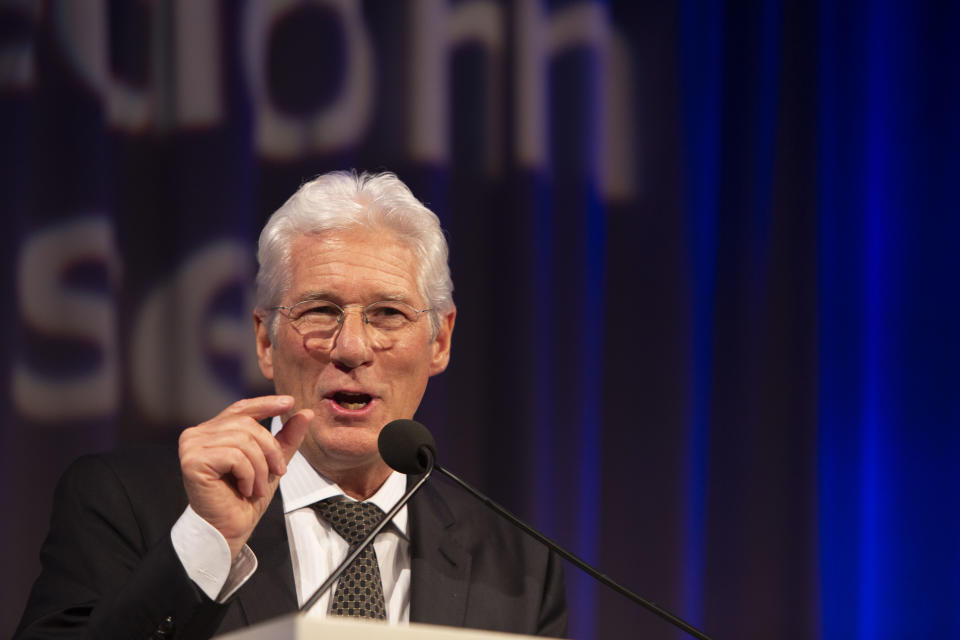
{"x":705,"y":259}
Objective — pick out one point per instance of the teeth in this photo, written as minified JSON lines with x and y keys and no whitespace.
{"x":352,"y":401}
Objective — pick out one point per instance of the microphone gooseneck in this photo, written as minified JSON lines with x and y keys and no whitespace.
{"x":413,"y":439}
{"x":407,"y":448}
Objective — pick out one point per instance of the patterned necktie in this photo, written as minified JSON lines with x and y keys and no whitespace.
{"x":360,"y":590}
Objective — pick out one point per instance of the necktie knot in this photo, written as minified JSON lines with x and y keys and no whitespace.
{"x":351,"y":520}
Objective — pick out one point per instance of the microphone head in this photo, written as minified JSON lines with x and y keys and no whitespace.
{"x":402,"y":444}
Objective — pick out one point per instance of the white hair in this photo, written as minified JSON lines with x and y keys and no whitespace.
{"x":343,"y":200}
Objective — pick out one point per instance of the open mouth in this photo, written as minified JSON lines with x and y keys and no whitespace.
{"x":352,"y":401}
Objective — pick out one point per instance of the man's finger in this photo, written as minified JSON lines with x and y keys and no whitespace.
{"x":243,"y":471}
{"x":238,"y":431}
{"x":248,"y":444}
{"x":260,"y":407}
{"x":293,"y":432}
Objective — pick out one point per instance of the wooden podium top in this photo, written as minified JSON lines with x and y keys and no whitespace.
{"x":294,"y":627}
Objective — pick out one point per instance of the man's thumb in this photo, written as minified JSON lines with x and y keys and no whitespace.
{"x":293,"y":432}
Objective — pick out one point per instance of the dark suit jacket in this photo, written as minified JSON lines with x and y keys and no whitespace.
{"x":109,"y":569}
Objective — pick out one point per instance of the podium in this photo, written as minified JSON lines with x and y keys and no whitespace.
{"x":295,"y":627}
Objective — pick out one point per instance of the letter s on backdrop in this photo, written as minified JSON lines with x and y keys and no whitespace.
{"x":52,"y":306}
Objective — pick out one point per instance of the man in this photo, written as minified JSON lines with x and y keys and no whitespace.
{"x":354,"y":315}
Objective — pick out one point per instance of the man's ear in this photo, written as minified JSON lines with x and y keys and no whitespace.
{"x":441,"y":344}
{"x":264,"y":345}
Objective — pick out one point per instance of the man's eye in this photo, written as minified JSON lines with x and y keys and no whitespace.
{"x":325,"y":312}
{"x":323,"y":309}
{"x":385,"y":310}
{"x":387,"y":315}
{"x":318,"y":311}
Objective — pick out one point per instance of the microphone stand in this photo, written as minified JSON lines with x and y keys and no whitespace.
{"x":323,"y":588}
{"x":650,"y":606}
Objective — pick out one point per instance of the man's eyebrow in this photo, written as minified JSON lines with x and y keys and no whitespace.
{"x":332,"y":297}
{"x":314,"y":295}
{"x":394,"y":297}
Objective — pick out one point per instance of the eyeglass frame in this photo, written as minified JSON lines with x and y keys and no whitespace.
{"x":342,"y":316}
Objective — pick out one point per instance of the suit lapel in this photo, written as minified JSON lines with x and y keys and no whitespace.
{"x":270,"y":591}
{"x":440,"y":566}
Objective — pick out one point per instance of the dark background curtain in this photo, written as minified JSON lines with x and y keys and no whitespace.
{"x":704,"y":256}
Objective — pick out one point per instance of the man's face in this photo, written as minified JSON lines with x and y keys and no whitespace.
{"x":354,"y":382}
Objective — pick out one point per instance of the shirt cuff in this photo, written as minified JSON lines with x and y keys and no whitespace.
{"x":205,"y":556}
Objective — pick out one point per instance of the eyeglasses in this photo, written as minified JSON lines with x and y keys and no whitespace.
{"x":322,"y":318}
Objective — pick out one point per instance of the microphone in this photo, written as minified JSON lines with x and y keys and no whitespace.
{"x":409,"y":448}
{"x":411,"y":452}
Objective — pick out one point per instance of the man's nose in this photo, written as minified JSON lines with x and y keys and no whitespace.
{"x":351,"y":345}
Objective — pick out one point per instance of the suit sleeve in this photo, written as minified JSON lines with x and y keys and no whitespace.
{"x":106,"y":574}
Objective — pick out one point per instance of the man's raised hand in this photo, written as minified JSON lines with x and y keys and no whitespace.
{"x":231,"y":465}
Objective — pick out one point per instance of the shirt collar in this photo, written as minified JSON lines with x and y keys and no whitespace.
{"x":303,"y":486}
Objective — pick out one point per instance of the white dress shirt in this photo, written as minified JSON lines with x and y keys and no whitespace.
{"x":315,"y":548}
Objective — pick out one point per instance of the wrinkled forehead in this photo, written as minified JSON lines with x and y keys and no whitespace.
{"x":356,"y":262}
